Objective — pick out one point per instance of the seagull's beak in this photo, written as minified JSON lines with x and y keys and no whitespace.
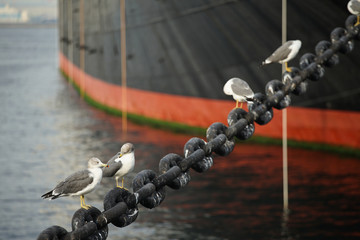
{"x":105,"y":165}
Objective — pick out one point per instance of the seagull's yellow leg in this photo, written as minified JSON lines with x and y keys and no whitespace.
{"x":122,"y":183}
{"x":237,"y":104}
{"x":287,"y":68}
{"x":82,"y":203}
{"x":358,"y":21}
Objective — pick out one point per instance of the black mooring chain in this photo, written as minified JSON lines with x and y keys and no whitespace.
{"x":149,"y":188}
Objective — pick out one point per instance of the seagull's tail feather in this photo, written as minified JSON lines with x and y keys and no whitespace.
{"x":267,"y":61}
{"x":50,"y":195}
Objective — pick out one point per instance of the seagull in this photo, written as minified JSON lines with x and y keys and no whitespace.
{"x":121,"y":164}
{"x":284,"y":53}
{"x":239,"y":89}
{"x":79,"y":183}
{"x":354,"y":8}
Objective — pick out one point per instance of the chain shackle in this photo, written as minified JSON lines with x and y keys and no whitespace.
{"x":352,"y":29}
{"x":118,"y":195}
{"x":84,"y":222}
{"x":192,"y":146}
{"x":234,"y":116}
{"x":297,"y":88}
{"x":156,"y":196}
{"x":274,"y":89}
{"x":169,"y":161}
{"x":54,"y":233}
{"x":314,"y":70}
{"x":325,"y":55}
{"x":265,"y":117}
{"x":339,"y":38}
{"x":217,"y":131}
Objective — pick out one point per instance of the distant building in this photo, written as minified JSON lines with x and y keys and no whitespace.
{"x":12,"y":15}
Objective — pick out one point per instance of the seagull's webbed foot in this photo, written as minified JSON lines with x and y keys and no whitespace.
{"x":86,"y":207}
{"x":82,"y":203}
{"x":287,"y":68}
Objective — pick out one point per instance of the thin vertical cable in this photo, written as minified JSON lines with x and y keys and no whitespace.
{"x":60,"y":25}
{"x":284,"y":120}
{"x":123,"y":67}
{"x":82,"y":49}
{"x":70,"y":38}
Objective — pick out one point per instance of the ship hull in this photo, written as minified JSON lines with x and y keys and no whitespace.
{"x":169,"y":79}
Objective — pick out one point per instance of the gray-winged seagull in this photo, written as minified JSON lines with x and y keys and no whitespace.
{"x":79,"y":183}
{"x":121,"y":164}
{"x":284,"y":53}
{"x":239,"y":89}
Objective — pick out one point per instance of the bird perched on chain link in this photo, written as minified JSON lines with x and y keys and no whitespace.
{"x":79,"y":183}
{"x":239,"y":89}
{"x":284,"y":53}
{"x":121,"y":164}
{"x":354,"y":8}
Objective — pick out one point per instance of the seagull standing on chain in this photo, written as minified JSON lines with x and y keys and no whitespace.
{"x":239,"y":89}
{"x":284,"y":53}
{"x":121,"y":164}
{"x":79,"y":183}
{"x":354,"y":8}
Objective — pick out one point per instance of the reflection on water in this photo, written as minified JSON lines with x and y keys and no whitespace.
{"x":47,"y":132}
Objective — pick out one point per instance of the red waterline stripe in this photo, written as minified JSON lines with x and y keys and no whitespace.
{"x":304,"y":124}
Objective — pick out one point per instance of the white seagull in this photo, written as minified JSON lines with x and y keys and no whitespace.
{"x":239,"y":89}
{"x":354,"y":8}
{"x":121,"y":164}
{"x":79,"y":183}
{"x":284,"y":53}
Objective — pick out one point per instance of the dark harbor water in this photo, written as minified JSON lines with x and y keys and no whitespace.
{"x":48,"y":132}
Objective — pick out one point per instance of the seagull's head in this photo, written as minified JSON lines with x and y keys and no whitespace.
{"x":96,"y":163}
{"x":126,"y":149}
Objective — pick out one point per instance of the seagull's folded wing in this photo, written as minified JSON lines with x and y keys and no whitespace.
{"x":113,"y":166}
{"x":74,"y":183}
{"x":279,"y":55}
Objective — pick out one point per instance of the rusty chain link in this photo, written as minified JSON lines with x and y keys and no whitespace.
{"x":149,"y":188}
